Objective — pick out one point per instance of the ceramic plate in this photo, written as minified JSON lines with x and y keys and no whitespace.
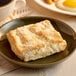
{"x":67,"y":33}
{"x":52,"y":7}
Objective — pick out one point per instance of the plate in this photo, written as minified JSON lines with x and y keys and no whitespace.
{"x":52,"y":7}
{"x":67,"y":33}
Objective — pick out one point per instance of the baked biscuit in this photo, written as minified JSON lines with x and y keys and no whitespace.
{"x":36,"y":41}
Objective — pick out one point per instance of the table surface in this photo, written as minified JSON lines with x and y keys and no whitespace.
{"x":66,"y":68}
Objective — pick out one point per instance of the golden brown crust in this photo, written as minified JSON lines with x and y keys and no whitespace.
{"x":14,"y":45}
{"x":36,"y":39}
{"x":48,"y":33}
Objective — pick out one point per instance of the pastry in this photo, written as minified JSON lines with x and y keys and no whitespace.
{"x":35,"y":41}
